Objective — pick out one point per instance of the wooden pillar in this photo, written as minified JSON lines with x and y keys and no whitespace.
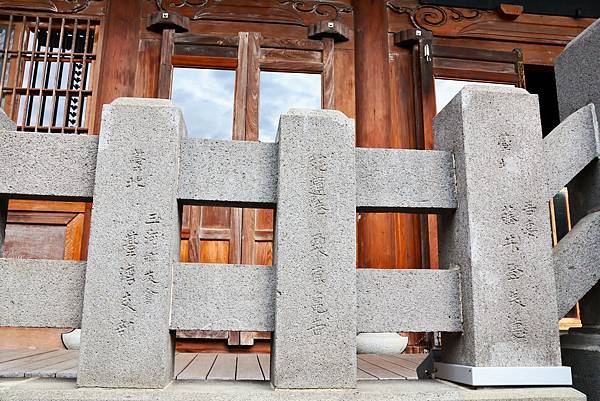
{"x":119,"y":48}
{"x":376,"y":231}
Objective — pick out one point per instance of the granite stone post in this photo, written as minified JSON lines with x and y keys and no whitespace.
{"x":6,"y":124}
{"x":577,"y":72}
{"x":134,"y":244}
{"x":499,"y":236}
{"x":315,"y":251}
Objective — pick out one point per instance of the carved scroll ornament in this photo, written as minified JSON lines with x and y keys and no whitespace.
{"x":275,"y":11}
{"x":55,"y":6}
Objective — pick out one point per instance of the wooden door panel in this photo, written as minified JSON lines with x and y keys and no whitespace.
{"x":34,"y":241}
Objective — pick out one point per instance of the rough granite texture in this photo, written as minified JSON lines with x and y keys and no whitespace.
{"x":37,"y":164}
{"x":41,"y":293}
{"x":400,"y":300}
{"x":6,"y":124}
{"x":223,"y":297}
{"x":315,"y":252}
{"x":404,"y":180}
{"x":3,"y":219}
{"x":134,"y":245}
{"x":499,"y":237}
{"x":389,"y":390}
{"x":570,"y":147}
{"x":228,"y":171}
{"x":577,"y":70}
{"x":576,"y":261}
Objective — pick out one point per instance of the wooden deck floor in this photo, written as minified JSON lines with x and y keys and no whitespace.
{"x":192,"y":366}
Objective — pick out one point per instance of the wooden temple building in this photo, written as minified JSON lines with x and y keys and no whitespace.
{"x":234,"y":66}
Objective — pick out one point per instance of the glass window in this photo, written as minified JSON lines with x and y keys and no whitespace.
{"x":206,"y":99}
{"x":281,"y":91}
{"x":446,"y":89}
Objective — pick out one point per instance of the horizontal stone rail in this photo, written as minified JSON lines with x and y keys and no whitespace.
{"x":47,"y":165}
{"x":570,"y":147}
{"x":46,"y":293}
{"x":41,"y":293}
{"x":576,"y":261}
{"x":226,"y":172}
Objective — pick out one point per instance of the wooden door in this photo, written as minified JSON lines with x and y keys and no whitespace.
{"x":213,"y":234}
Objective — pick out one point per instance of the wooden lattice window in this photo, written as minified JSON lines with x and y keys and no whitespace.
{"x":47,"y":72}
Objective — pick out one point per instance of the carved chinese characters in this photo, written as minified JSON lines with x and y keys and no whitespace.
{"x":315,"y":324}
{"x":134,"y":243}
{"x":499,"y":236}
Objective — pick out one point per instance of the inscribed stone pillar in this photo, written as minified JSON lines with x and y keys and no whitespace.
{"x":315,"y":253}
{"x":134,"y":244}
{"x":577,"y":72}
{"x":499,"y":236}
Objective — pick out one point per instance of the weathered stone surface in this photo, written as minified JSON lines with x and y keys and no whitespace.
{"x":6,"y":124}
{"x":404,"y":180}
{"x":228,"y":171}
{"x":388,"y":390}
{"x":134,"y":244}
{"x":315,"y":251}
{"x":576,"y":261}
{"x":400,"y":300}
{"x":41,"y":293}
{"x":223,"y":297}
{"x":47,"y":164}
{"x":570,"y":147}
{"x":499,"y":237}
{"x":3,"y":219}
{"x":577,"y":70}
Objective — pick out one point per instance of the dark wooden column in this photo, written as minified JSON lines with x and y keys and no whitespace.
{"x":119,"y":52}
{"x":376,"y":232}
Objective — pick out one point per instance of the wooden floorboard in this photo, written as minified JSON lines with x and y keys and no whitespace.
{"x":224,"y":367}
{"x":198,"y":369}
{"x":11,"y":355}
{"x":50,"y":370}
{"x":265,"y":365}
{"x":9,"y":365}
{"x":201,"y":366}
{"x":248,"y":368}
{"x":392,"y":367}
{"x":379,"y":372}
{"x":182,"y":360}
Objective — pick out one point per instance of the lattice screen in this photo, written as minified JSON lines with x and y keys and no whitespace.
{"x":48,"y":72}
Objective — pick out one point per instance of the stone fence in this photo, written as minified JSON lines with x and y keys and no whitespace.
{"x":497,"y":298}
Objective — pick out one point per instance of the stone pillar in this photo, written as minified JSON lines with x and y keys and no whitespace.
{"x":499,"y":236}
{"x":315,"y":253}
{"x":134,"y":243}
{"x":577,"y":70}
{"x":6,"y":124}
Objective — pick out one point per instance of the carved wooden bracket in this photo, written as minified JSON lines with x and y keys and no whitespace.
{"x":161,"y":20}
{"x":329,"y":29}
{"x":54,"y":6}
